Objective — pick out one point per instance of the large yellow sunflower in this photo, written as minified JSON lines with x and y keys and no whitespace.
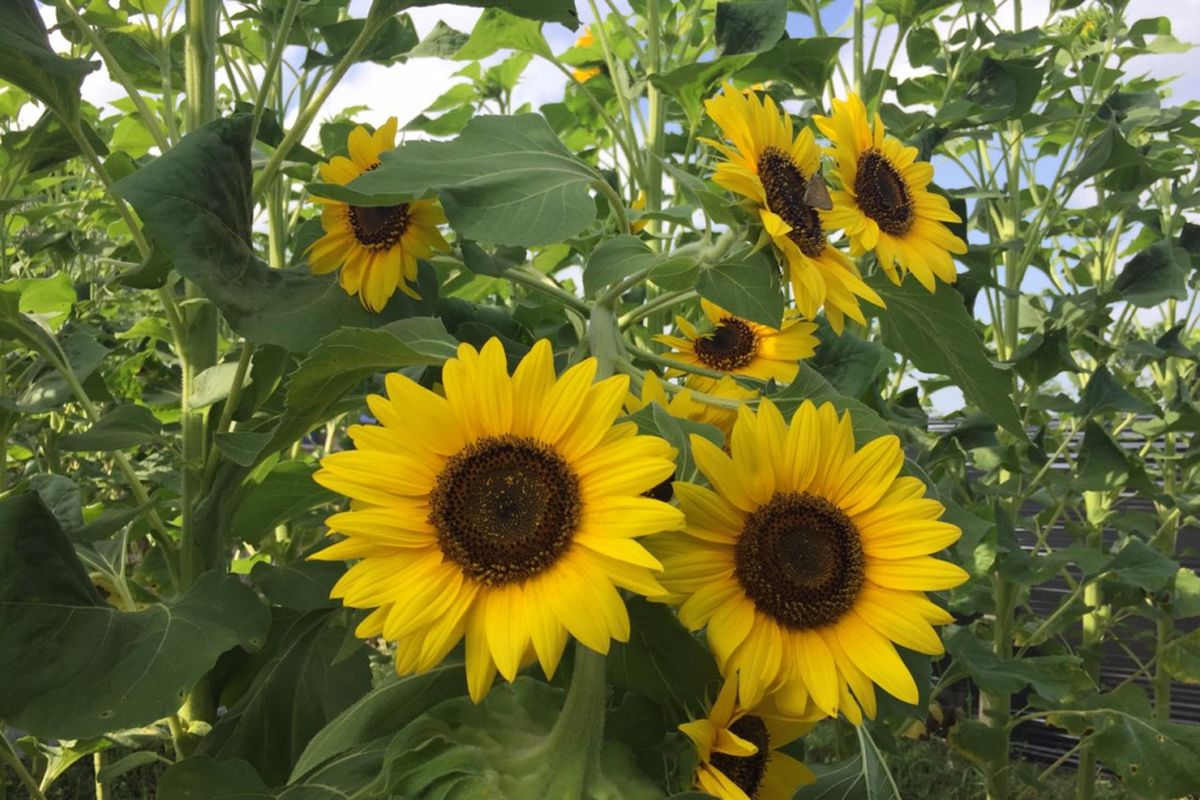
{"x":738,"y":346}
{"x":376,"y":247}
{"x":807,"y":560}
{"x":884,"y":203}
{"x":507,"y":511}
{"x":739,"y":751}
{"x":773,"y":169}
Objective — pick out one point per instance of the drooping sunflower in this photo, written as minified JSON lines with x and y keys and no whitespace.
{"x":884,"y":203}
{"x":507,"y":511}
{"x":376,"y":247}
{"x":807,"y":560}
{"x":772,"y":168}
{"x":740,"y":347}
{"x":739,"y":751}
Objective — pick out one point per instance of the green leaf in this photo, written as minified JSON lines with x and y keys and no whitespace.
{"x":614,"y":260}
{"x":663,"y":661}
{"x":50,"y":299}
{"x":345,"y":357}
{"x":1045,"y":355}
{"x":504,"y":180}
{"x":1107,"y":151}
{"x":203,"y":778}
{"x":29,"y":62}
{"x":861,"y":777}
{"x":195,"y":202}
{"x":242,"y":447}
{"x":850,"y":364}
{"x":1139,"y":564}
{"x":807,"y":64}
{"x":1005,"y":89}
{"x":562,"y":11}
{"x":1101,"y":464}
{"x":77,"y":667}
{"x":382,"y":711}
{"x":1052,"y":677}
{"x":1103,"y":393}
{"x":286,"y":492}
{"x":750,"y":26}
{"x":938,"y":335}
{"x":1153,"y":275}
{"x":297,"y":689}
{"x":122,"y":427}
{"x":392,"y":40}
{"x":1155,"y":758}
{"x":80,"y":351}
{"x":979,"y":742}
{"x":441,"y":42}
{"x":213,"y":384}
{"x":749,"y":289}
{"x":494,"y":264}
{"x":500,"y":30}
{"x":1181,"y":657}
{"x":298,"y":585}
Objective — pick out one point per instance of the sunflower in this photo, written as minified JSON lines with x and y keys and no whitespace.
{"x":807,"y":560}
{"x":739,"y":751}
{"x":506,"y":511}
{"x":585,"y":74}
{"x":773,"y":169}
{"x":376,"y":247}
{"x":738,"y":346}
{"x":884,"y":204}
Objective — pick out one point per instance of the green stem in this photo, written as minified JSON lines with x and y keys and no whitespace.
{"x":97,"y":766}
{"x":277,"y":48}
{"x":614,"y":202}
{"x":313,"y":107}
{"x":1092,"y":626}
{"x":200,"y":62}
{"x":658,"y":303}
{"x":574,"y":745}
{"x":858,"y":46}
{"x":539,"y":282}
{"x":655,"y":136}
{"x":10,"y":758}
{"x":118,"y":74}
{"x":997,"y":708}
{"x":231,"y":404}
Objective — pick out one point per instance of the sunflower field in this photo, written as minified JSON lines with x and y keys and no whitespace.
{"x":599,"y":399}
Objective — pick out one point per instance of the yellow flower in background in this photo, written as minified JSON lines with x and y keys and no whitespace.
{"x":884,"y":203}
{"x":507,"y":512}
{"x":807,"y":559}
{"x":739,"y":751}
{"x":740,"y":347}
{"x":680,"y":405}
{"x":719,"y":416}
{"x":585,"y":74}
{"x":639,"y":204}
{"x":375,"y":247}
{"x":774,"y":170}
{"x":586,"y":39}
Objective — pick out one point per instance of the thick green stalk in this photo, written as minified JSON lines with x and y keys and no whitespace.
{"x":1165,"y":627}
{"x":655,"y":136}
{"x":859,"y":32}
{"x":575,"y":743}
{"x":277,"y":48}
{"x":1092,"y":623}
{"x":996,"y":709}
{"x":200,"y":64}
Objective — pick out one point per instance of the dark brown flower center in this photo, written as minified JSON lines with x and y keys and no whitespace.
{"x":800,"y":560}
{"x":505,"y":508}
{"x":785,"y":185}
{"x":663,"y":491}
{"x":732,"y":345}
{"x":747,"y":771}
{"x":882,"y":193}
{"x":379,"y":227}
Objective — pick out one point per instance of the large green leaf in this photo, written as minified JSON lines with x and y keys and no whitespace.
{"x":499,"y":30}
{"x":124,"y":426}
{"x":861,"y":777}
{"x":1181,"y":657}
{"x":664,"y":662}
{"x":808,"y":64}
{"x":938,"y":335}
{"x":1155,"y":758}
{"x":749,"y":289}
{"x":1104,"y":393}
{"x":28,"y":61}
{"x":547,"y":10}
{"x":76,"y":667}
{"x":381,"y":712}
{"x":1153,"y":275}
{"x":504,"y":180}
{"x":283,"y":494}
{"x":750,"y":26}
{"x":195,"y":202}
{"x":299,"y":685}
